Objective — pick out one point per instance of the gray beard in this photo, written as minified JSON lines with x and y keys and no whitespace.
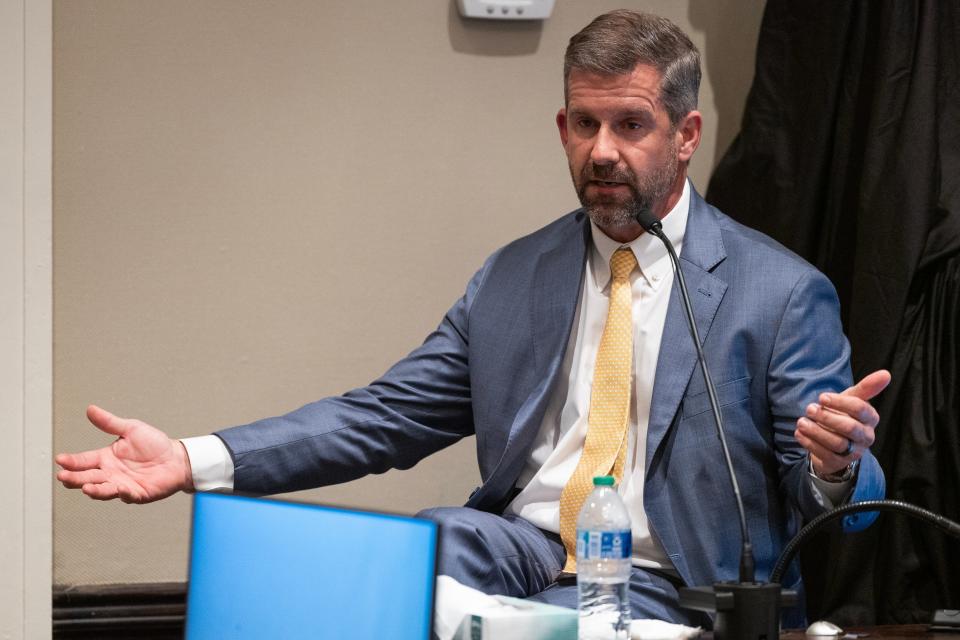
{"x":645,"y":192}
{"x":614,"y":216}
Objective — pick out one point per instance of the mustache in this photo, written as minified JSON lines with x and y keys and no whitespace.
{"x":607,"y":173}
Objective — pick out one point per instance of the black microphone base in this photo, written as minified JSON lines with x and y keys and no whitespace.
{"x":744,"y":611}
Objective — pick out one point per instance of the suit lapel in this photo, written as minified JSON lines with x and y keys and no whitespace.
{"x":702,"y":251}
{"x":553,"y":303}
{"x":556,"y":291}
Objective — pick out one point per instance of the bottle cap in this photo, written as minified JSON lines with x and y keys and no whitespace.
{"x":603,"y":481}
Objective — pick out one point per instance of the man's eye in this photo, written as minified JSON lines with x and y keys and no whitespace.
{"x":585,"y":123}
{"x":633,"y":125}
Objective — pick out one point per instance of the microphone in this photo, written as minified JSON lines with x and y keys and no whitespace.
{"x":651,"y":224}
{"x":746,"y":609}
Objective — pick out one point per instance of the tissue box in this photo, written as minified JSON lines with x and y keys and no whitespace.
{"x":520,"y":620}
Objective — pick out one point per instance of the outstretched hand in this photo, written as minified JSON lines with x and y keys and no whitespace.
{"x":142,"y":465}
{"x":841,"y":427}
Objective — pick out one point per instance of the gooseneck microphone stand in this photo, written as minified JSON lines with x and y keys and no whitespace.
{"x":786,"y":556}
{"x":745,"y":609}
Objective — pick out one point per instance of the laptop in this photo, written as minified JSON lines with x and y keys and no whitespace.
{"x":264,"y":568}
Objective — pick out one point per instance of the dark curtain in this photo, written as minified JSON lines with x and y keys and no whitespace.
{"x":849,"y":154}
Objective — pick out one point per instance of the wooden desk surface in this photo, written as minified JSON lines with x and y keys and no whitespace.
{"x":892,"y":632}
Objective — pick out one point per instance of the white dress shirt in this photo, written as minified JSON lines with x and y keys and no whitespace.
{"x":557,"y":448}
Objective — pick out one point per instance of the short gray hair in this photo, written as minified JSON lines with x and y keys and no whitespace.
{"x":616,"y":42}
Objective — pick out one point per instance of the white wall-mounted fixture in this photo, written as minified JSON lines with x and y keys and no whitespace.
{"x":506,"y":9}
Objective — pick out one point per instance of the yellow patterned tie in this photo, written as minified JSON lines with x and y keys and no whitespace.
{"x":605,"y":448}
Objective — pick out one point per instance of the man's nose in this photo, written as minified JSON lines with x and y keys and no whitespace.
{"x":604,"y":147}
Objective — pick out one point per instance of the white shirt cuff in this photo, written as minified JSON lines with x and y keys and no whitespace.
{"x":830,"y":494}
{"x":210,"y":463}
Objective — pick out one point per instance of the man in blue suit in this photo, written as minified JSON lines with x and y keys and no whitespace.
{"x":513,"y":363}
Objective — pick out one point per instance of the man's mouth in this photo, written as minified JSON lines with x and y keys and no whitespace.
{"x":607,"y":184}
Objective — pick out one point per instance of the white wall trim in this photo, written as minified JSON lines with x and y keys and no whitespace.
{"x":26,"y":370}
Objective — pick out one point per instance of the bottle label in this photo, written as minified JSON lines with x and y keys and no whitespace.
{"x":603,"y":545}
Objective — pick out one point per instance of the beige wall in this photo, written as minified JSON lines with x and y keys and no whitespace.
{"x":261,"y":203}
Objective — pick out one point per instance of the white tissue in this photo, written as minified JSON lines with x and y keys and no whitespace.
{"x":463,"y":613}
{"x":660,"y":630}
{"x":454,"y":601}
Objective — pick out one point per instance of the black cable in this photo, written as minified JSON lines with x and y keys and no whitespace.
{"x":949,"y":526}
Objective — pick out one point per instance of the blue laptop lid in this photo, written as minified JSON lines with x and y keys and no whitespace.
{"x":273,"y":569}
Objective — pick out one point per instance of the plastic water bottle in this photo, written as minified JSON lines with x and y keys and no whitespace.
{"x":603,"y":564}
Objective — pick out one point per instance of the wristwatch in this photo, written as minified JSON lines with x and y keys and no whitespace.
{"x":840,"y":476}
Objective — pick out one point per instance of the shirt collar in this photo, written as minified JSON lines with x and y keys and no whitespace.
{"x":651,"y":255}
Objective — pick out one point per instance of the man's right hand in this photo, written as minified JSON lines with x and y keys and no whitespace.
{"x":142,"y":465}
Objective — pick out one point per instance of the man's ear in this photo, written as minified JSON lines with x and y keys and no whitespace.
{"x":688,"y":135}
{"x":562,"y":125}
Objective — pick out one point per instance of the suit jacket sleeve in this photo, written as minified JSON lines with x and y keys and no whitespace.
{"x":421,"y":405}
{"x":810,"y":356}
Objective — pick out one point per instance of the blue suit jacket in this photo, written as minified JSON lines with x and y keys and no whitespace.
{"x":771,"y":333}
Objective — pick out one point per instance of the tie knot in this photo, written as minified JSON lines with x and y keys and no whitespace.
{"x":622,"y":263}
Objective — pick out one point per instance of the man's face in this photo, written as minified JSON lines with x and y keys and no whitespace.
{"x":623,"y":152}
